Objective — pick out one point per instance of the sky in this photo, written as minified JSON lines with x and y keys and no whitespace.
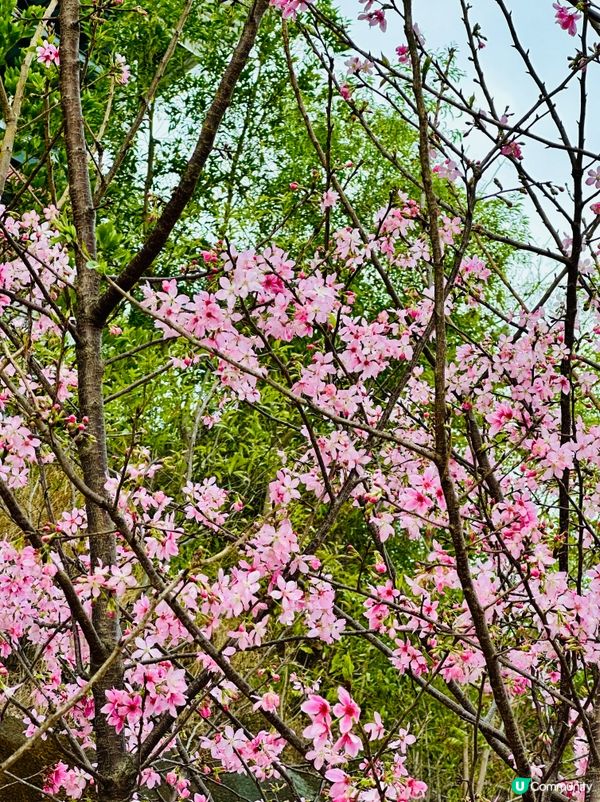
{"x":550,"y":48}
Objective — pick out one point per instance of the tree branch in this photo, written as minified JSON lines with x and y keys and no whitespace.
{"x":183,"y":192}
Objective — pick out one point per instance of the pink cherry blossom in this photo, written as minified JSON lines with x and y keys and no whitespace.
{"x":375,"y":729}
{"x":346,"y":710}
{"x":593,"y":178}
{"x":291,"y":8}
{"x":125,"y":70}
{"x":567,"y":18}
{"x":341,"y":789}
{"x":375,"y":19}
{"x":403,"y":54}
{"x":269,"y":701}
{"x":513,"y":149}
{"x":329,"y":199}
{"x":48,"y":55}
{"x":349,"y":744}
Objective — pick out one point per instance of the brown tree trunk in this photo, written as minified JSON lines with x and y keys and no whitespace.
{"x":116,"y":769}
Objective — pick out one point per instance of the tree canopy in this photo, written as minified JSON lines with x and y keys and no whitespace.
{"x":300,"y":465}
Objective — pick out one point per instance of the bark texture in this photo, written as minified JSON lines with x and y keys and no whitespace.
{"x":116,"y":769}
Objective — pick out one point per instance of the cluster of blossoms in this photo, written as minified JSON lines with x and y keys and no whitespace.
{"x":447,"y":169}
{"x":391,"y":781}
{"x":337,"y":744}
{"x":42,"y":265}
{"x":38,"y":275}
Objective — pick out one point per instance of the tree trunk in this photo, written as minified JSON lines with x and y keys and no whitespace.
{"x":114,"y":765}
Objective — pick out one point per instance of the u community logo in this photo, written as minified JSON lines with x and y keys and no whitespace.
{"x":520,"y":786}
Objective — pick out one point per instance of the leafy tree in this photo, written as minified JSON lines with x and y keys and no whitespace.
{"x":299,"y":485}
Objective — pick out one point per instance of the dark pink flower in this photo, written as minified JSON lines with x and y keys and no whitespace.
{"x":566,"y":18}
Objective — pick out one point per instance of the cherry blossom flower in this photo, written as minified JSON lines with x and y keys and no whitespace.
{"x":291,"y":598}
{"x":513,"y":149}
{"x":375,"y":19}
{"x":448,"y":169}
{"x":403,"y":54}
{"x":319,"y":711}
{"x":341,"y":789}
{"x":291,"y":8}
{"x":375,"y":728}
{"x":124,"y":68}
{"x":566,"y":18}
{"x":269,"y":701}
{"x":346,"y":710}
{"x":593,"y":178}
{"x":329,"y":199}
{"x":48,"y":54}
{"x":348,"y":743}
{"x":355,"y":65}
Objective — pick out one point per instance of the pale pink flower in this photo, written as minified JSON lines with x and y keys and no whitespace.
{"x":47,"y":54}
{"x":341,"y":788}
{"x":348,"y":743}
{"x":375,"y":729}
{"x":329,"y":199}
{"x":125,"y":69}
{"x":269,"y":701}
{"x":375,"y":19}
{"x":593,"y":178}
